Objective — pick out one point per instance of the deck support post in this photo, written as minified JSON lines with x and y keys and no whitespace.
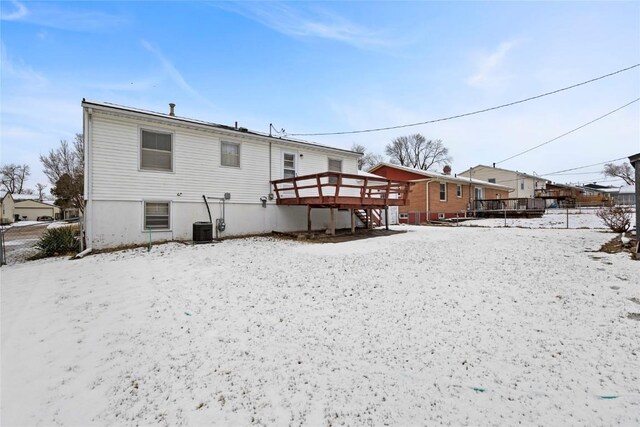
{"x":386,"y":217}
{"x":353,"y":221}
{"x":308,"y":218}
{"x":332,"y":223}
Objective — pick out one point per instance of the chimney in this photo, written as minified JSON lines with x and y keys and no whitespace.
{"x":171,"y":107}
{"x":446,"y":170}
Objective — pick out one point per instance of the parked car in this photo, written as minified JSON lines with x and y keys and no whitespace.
{"x":44,"y":218}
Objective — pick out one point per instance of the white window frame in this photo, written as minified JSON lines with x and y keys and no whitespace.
{"x":440,"y":191}
{"x":144,"y":215}
{"x":161,"y":131}
{"x":237,"y":144}
{"x":459,"y":191}
{"x":403,"y":216}
{"x":295,"y":162}
{"x":441,"y":215}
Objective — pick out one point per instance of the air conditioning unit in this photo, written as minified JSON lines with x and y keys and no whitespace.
{"x":202,"y":232}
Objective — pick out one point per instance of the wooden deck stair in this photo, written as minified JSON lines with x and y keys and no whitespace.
{"x":376,"y":216}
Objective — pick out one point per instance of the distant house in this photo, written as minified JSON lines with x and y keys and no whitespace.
{"x":626,"y":195}
{"x":7,"y":204}
{"x":560,"y":195}
{"x":31,"y":210}
{"x":523,"y":184}
{"x":438,"y":196}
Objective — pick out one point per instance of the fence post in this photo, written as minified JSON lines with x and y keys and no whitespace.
{"x":567,"y":218}
{"x":81,"y":222}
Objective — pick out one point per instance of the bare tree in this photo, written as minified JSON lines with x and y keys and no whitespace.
{"x":417,"y":152}
{"x":369,"y":159}
{"x":40,"y":189}
{"x":623,"y":171}
{"x":13,"y":177}
{"x":64,"y":167}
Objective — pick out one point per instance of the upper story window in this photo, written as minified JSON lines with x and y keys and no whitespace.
{"x":522,"y":185}
{"x":288,"y":165}
{"x":492,"y":180}
{"x":443,"y":191}
{"x":458,"y":190}
{"x":230,"y":154}
{"x":156,"y":151}
{"x":335,"y":165}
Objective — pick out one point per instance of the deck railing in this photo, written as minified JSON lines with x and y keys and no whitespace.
{"x":334,"y":188}
{"x":519,"y":204}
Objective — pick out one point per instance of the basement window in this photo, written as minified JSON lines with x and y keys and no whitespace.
{"x":404,"y":216}
{"x":156,"y":215}
{"x":156,"y":151}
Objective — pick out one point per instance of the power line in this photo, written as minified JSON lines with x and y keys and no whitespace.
{"x":470,"y":113}
{"x":583,"y":167}
{"x":569,"y":132}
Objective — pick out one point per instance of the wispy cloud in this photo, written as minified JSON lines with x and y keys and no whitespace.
{"x":489,"y":64}
{"x":172,"y":72}
{"x":16,"y":70}
{"x":296,"y":22}
{"x":53,"y":16}
{"x":19,"y":11}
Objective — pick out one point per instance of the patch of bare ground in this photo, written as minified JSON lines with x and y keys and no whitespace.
{"x":616,"y":245}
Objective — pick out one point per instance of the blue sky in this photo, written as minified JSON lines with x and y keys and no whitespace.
{"x":332,"y":66}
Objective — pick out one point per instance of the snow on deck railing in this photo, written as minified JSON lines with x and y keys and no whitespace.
{"x":335,"y":187}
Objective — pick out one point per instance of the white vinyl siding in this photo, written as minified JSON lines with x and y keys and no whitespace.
{"x":288,"y":165}
{"x":156,"y":150}
{"x":230,"y":154}
{"x":196,"y":164}
{"x":156,"y":216}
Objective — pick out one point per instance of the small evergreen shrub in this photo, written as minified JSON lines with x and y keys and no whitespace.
{"x":617,"y":218}
{"x":58,"y":241}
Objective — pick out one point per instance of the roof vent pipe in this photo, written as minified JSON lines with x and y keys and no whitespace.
{"x":171,"y":107}
{"x":236,"y":125}
{"x":494,"y":165}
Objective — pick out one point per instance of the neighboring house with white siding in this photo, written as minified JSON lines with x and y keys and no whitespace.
{"x":524,"y":185}
{"x":146,"y":174}
{"x":6,"y":207}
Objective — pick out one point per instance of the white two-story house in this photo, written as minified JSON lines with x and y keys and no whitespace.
{"x":524,"y":185}
{"x":146,"y":174}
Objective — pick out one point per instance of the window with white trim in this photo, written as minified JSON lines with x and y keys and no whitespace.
{"x":335,"y":165}
{"x":492,"y":180}
{"x":230,"y":154}
{"x":156,"y":150}
{"x":443,"y":191}
{"x":404,"y":216}
{"x":156,"y":216}
{"x":458,"y":190}
{"x":288,"y":165}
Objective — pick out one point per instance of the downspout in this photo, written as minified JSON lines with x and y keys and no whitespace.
{"x":88,"y":189}
{"x":427,"y":199}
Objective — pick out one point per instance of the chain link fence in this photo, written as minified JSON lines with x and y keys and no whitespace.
{"x":19,"y":241}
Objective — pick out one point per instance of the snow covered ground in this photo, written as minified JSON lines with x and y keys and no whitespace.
{"x":454,"y":325}
{"x":553,"y":218}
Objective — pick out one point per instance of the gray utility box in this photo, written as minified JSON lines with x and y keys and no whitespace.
{"x":202,"y":231}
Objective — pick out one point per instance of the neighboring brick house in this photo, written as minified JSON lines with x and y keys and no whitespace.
{"x":438,"y":196}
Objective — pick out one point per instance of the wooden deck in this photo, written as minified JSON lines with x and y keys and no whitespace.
{"x":341,"y":190}
{"x":366,"y":197}
{"x":510,"y":208}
